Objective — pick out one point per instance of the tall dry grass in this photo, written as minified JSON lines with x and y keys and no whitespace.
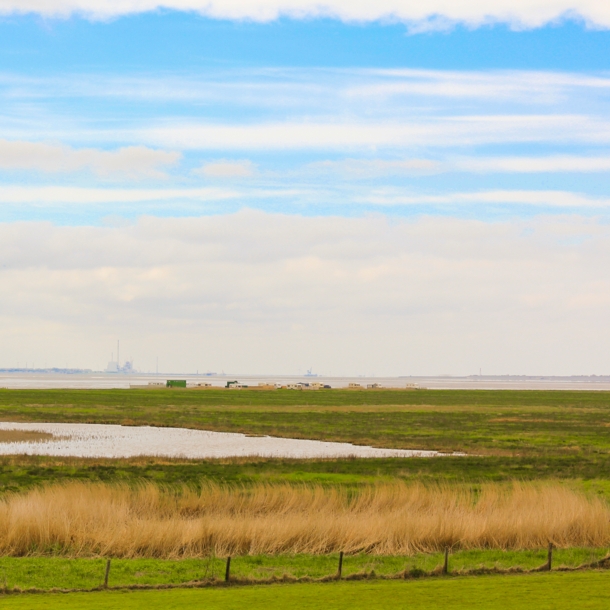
{"x":82,"y":519}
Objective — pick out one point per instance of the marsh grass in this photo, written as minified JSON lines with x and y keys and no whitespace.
{"x":588,"y":472}
{"x":492,"y":423}
{"x":84,"y":519}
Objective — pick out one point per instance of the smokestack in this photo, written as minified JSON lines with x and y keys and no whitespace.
{"x":118,"y":359}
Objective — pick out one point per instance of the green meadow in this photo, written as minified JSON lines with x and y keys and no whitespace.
{"x":485,"y":422}
{"x":555,"y":591}
{"x":507,"y":435}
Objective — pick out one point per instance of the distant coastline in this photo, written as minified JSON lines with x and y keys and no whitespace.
{"x":59,"y":371}
{"x":551,"y":378}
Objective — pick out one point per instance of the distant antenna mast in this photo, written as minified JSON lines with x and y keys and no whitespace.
{"x":118,"y":360}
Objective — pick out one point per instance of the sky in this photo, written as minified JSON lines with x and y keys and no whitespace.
{"x":269,"y":186}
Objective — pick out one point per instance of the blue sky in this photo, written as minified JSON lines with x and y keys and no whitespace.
{"x":121,"y":126}
{"x":461,"y":105}
{"x":172,"y":40}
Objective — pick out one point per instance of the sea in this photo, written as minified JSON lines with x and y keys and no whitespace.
{"x":89,"y":380}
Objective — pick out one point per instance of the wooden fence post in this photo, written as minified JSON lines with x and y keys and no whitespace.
{"x":446,"y":563}
{"x":340,"y":565}
{"x":228,"y":570}
{"x":107,"y":574}
{"x":549,"y":561}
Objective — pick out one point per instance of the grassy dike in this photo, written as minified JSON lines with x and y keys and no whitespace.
{"x":559,"y":591}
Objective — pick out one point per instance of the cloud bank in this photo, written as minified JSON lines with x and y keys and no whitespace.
{"x":256,"y":292}
{"x":425,"y":13}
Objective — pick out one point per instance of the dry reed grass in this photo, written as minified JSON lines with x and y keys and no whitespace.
{"x":83,"y":519}
{"x":25,"y":436}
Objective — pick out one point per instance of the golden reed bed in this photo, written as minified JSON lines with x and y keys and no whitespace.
{"x":81,"y":519}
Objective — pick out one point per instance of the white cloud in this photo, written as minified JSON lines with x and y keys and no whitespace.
{"x":127,"y":162}
{"x":52,"y":196}
{"x":317,"y":88}
{"x":425,"y":13}
{"x":58,"y":196}
{"x":494,"y":85}
{"x":444,"y":131}
{"x":227,"y":169}
{"x":525,"y":165}
{"x":313,"y":109}
{"x":255,"y":292}
{"x":46,"y":195}
{"x":374,"y":168}
{"x":541,"y":198}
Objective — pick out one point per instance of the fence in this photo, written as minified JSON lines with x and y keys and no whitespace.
{"x":215,"y":576}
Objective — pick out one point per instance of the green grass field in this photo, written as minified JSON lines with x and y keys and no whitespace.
{"x":559,"y":591}
{"x":48,"y":573}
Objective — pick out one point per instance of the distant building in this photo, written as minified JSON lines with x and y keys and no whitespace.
{"x":115,"y":367}
{"x":294,"y":386}
{"x":374,"y":386}
{"x":176,"y":383}
{"x":151,"y":385}
{"x":235,"y":385}
{"x":127,"y":367}
{"x":354,"y":386}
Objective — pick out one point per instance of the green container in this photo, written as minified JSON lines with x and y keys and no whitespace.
{"x":176,"y":383}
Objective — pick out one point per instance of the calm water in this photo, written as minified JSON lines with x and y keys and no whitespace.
{"x":109,"y":380}
{"x":111,"y":441}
